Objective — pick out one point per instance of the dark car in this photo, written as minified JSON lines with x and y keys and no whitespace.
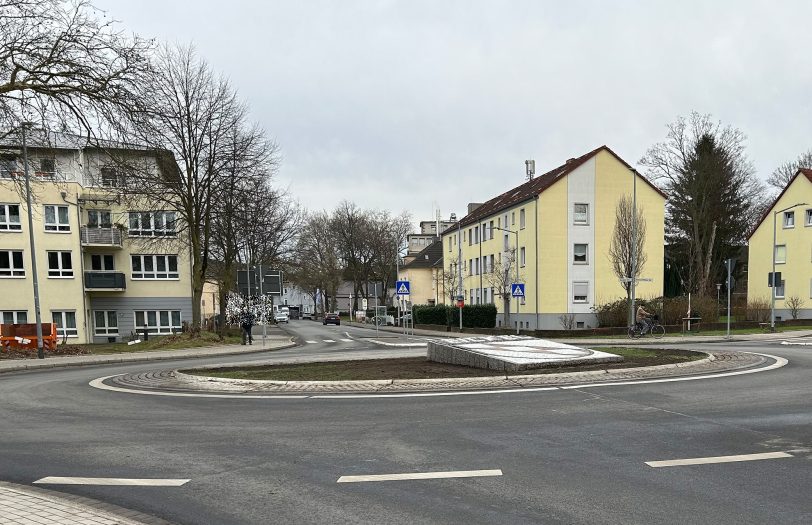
{"x":332,"y":319}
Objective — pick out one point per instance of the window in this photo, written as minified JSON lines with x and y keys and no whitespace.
{"x":10,"y":217}
{"x":14,"y":317}
{"x":8,"y":166}
{"x":521,"y":257}
{"x":781,"y":254}
{"x":449,"y":244}
{"x":490,"y":266}
{"x":60,"y":264}
{"x":507,"y":242}
{"x":65,"y":321}
{"x":101,"y":263}
{"x":56,"y":219}
{"x":521,"y":219}
{"x":109,"y":177}
{"x":580,"y":254}
{"x":476,"y":266}
{"x":155,"y":266}
{"x":47,"y":167}
{"x":779,"y":290}
{"x":158,"y":321}
{"x":580,"y":292}
{"x":512,"y":218}
{"x":789,"y":219}
{"x":99,"y":219}
{"x":580,"y":213}
{"x":152,"y":224}
{"x":476,"y":234}
{"x":105,"y":322}
{"x":808,"y":218}
{"x":11,"y":263}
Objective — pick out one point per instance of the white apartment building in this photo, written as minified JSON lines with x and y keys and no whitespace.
{"x":104,"y":270}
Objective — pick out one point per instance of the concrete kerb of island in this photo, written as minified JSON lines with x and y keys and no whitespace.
{"x":209,"y":383}
{"x":20,"y":365}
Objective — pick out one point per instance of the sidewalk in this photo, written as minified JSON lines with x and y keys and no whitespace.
{"x":275,"y":342}
{"x":20,"y":504}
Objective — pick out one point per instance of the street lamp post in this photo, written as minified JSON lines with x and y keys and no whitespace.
{"x":37,"y":313}
{"x":515,"y":262}
{"x":774,"y":283}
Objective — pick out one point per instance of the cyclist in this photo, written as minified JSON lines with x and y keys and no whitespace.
{"x":644,"y":319}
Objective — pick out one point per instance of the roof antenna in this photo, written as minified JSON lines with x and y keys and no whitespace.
{"x":530,"y":167}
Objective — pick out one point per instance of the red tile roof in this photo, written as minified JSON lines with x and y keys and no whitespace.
{"x":803,"y":171}
{"x":531,"y":188}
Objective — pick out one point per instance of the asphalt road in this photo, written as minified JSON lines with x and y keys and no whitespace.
{"x":566,"y":456}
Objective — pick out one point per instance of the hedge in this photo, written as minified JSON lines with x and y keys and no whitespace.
{"x":473,"y":316}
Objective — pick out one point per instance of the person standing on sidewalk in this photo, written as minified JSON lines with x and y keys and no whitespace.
{"x":247,"y":323}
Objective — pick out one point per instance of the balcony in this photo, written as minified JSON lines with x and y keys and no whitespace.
{"x":102,"y":237}
{"x":105,"y":282}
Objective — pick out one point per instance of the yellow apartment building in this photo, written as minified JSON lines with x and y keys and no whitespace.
{"x":563,"y":223}
{"x":790,"y":216}
{"x":104,"y":270}
{"x":424,"y":273}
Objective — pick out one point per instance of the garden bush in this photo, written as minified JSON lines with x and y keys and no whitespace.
{"x":473,"y":316}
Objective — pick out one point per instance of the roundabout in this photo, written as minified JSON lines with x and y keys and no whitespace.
{"x":179,"y":383}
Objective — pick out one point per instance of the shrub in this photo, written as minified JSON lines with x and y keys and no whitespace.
{"x":473,"y":316}
{"x":758,"y":309}
{"x":794,"y":304}
{"x":427,"y":314}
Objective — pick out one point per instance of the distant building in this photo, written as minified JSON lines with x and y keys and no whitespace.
{"x":428,"y":234}
{"x":424,"y":273}
{"x":793,"y":227}
{"x":564,"y":221}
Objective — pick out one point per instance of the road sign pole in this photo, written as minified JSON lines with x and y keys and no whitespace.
{"x":729,"y":265}
{"x":264,"y":312}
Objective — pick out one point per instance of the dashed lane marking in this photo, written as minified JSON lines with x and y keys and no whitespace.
{"x":135,"y":482}
{"x":421,"y":475}
{"x":718,"y":459}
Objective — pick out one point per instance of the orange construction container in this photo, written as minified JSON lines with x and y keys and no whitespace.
{"x":25,"y":336}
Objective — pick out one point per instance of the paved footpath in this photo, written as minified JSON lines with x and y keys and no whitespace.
{"x":20,"y":504}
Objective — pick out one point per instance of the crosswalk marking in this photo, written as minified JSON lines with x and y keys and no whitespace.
{"x":329,"y":341}
{"x":346,"y":340}
{"x":311,"y":342}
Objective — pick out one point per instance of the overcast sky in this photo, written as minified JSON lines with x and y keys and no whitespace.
{"x":410,"y":105}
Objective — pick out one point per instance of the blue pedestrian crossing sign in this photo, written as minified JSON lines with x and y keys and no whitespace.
{"x":402,"y":287}
{"x":517,"y":289}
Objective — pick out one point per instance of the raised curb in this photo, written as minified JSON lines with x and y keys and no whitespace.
{"x":103,"y":510}
{"x":254,"y":385}
{"x":136,"y":357}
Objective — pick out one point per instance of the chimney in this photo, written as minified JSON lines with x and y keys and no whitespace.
{"x":472,"y":206}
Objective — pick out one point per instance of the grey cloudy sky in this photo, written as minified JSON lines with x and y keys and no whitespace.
{"x":403,"y":104}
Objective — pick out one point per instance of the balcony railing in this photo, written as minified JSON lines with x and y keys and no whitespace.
{"x":101,"y":236}
{"x":110,"y":281}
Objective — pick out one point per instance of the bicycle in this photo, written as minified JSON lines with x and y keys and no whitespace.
{"x":656,"y":331}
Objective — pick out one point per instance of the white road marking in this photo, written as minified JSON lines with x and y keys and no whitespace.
{"x":346,"y":340}
{"x":136,"y":482}
{"x":328,"y":341}
{"x":311,"y":342}
{"x":347,"y":334}
{"x":718,"y":459}
{"x":421,"y":475}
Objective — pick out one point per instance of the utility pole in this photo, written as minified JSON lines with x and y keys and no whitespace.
{"x":633,"y":275}
{"x":37,"y":312}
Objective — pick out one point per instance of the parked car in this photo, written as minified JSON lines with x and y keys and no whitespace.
{"x":281,"y":316}
{"x":383,"y":320}
{"x":332,"y":319}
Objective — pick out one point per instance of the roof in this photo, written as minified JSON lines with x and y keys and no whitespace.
{"x":427,"y":257}
{"x":39,"y":138}
{"x":537,"y":185}
{"x":806,"y":172}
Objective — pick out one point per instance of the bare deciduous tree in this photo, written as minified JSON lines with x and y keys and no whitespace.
{"x":64,"y":64}
{"x":781,"y":176}
{"x":316,"y":267}
{"x":626,"y":249}
{"x":502,"y":275}
{"x":794,"y":305}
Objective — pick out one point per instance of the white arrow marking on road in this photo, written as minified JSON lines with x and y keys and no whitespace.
{"x":421,"y":475}
{"x":718,"y":459}
{"x":136,"y":482}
